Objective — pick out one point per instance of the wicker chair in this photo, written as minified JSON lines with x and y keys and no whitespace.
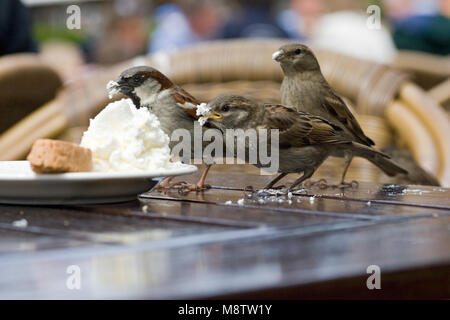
{"x":26,"y":83}
{"x":390,"y":108}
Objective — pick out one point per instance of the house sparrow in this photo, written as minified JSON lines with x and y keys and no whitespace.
{"x":304,"y":88}
{"x":174,"y":107}
{"x":305,"y":140}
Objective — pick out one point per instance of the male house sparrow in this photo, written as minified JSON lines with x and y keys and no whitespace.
{"x":305,"y":140}
{"x":304,"y":88}
{"x":174,"y":107}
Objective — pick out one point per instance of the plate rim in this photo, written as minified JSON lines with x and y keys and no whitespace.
{"x":77,"y":176}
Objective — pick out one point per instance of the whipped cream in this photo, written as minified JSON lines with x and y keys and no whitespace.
{"x":113,"y":88}
{"x":202,"y":109}
{"x":123,"y":138}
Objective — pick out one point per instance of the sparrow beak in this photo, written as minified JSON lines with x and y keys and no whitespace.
{"x":278,"y":55}
{"x":213,"y":115}
{"x":120,"y":81}
{"x":121,"y":84}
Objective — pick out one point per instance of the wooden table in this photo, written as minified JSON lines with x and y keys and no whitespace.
{"x":168,"y":245}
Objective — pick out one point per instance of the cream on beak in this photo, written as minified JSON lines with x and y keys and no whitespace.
{"x":212,"y":115}
{"x":278,"y":55}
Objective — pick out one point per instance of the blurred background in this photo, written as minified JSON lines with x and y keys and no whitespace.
{"x":389,"y":58}
{"x":116,"y":30}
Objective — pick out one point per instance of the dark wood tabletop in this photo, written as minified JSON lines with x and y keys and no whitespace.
{"x":229,"y":242}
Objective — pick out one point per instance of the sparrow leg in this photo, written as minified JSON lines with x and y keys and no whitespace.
{"x":343,"y":183}
{"x":275,"y":180}
{"x":322,"y":183}
{"x":306,"y":174}
{"x":348,"y":161}
{"x":200,"y":185}
{"x":164,"y":184}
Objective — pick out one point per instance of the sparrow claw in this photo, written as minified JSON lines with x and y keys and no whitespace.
{"x":185,"y":188}
{"x":344,"y":185}
{"x":204,"y":187}
{"x":182,"y":186}
{"x":159,"y":188}
{"x":321,"y":183}
{"x":165,"y":185}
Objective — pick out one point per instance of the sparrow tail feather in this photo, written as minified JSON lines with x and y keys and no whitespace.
{"x":378,"y":158}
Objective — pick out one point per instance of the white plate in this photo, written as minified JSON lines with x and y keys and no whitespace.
{"x":20,"y":185}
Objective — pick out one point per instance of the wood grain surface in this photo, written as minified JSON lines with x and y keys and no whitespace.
{"x":212,"y":244}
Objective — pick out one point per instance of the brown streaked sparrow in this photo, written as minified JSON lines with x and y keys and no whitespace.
{"x":174,"y":107}
{"x":305,"y":140}
{"x":304,"y":88}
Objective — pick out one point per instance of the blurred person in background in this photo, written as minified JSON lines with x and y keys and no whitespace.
{"x":125,"y":39}
{"x":416,"y":29}
{"x":15,"y":31}
{"x":253,"y":19}
{"x":340,"y":27}
{"x":299,"y":20}
{"x":185,"y":23}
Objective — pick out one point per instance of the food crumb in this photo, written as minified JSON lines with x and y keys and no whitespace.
{"x":144,"y":208}
{"x":202,"y":109}
{"x":22,"y":223}
{"x":112,"y":88}
{"x":240,"y":202}
{"x":202,"y":120}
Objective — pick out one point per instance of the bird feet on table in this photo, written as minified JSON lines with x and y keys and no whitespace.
{"x":164,"y":185}
{"x":321,"y":183}
{"x":183,"y":187}
{"x":346,"y":184}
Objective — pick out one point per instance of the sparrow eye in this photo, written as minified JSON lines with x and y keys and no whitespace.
{"x":298,"y":51}
{"x":225,"y":108}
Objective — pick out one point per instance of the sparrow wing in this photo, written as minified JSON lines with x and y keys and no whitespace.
{"x":186,"y":101}
{"x":337,"y":107}
{"x":299,"y":129}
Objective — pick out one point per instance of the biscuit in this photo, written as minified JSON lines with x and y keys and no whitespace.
{"x":54,"y":156}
